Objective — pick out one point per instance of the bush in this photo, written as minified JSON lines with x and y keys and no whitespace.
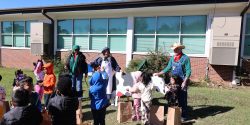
{"x":57,"y":62}
{"x":153,"y":62}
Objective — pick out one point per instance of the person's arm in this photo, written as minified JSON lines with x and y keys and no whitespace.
{"x":85,"y":67}
{"x":167,"y":69}
{"x":115,"y":65}
{"x":37,"y":66}
{"x":187,"y":66}
{"x":134,"y":89}
{"x":67,"y":63}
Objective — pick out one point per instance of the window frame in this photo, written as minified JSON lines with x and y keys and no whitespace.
{"x":89,"y":35}
{"x":12,"y":34}
{"x":244,"y":36}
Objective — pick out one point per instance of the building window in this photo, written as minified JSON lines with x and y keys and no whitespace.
{"x":247,"y":37}
{"x":16,"y":33}
{"x":93,"y":34}
{"x":159,"y":33}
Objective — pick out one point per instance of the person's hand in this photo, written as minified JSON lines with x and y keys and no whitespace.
{"x":65,"y":67}
{"x":85,"y":77}
{"x":41,"y":84}
{"x":127,"y":89}
{"x":156,"y":74}
{"x":184,"y":85}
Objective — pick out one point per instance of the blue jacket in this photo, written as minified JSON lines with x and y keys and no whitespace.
{"x":97,"y":91}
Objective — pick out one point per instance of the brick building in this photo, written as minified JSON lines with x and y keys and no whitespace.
{"x":215,"y":33}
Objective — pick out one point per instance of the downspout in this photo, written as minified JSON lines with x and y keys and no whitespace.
{"x":238,"y":68}
{"x":51,"y":42}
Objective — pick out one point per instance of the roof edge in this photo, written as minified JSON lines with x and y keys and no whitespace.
{"x":114,"y":5}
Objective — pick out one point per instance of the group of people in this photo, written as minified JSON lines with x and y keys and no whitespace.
{"x":61,"y":99}
{"x":179,"y":68}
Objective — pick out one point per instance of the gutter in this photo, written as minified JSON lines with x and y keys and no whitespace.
{"x":50,"y":47}
{"x":113,"y":5}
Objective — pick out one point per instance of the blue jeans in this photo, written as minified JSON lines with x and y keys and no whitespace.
{"x":46,"y":98}
{"x":77,"y":84}
{"x":183,"y":102}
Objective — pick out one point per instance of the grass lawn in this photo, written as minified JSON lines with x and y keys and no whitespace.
{"x":207,"y":106}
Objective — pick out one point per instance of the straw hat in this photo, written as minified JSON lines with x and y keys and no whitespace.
{"x":177,"y":45}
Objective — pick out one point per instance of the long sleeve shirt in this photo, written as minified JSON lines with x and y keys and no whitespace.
{"x":186,"y":66}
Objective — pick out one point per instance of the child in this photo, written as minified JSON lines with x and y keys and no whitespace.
{"x":97,"y":92}
{"x":27,"y":84}
{"x":173,"y":91}
{"x":22,"y":113}
{"x":49,"y":82}
{"x":2,"y":91}
{"x":63,"y":106}
{"x":18,"y":76}
{"x":136,"y":96}
{"x":145,"y":87}
{"x":38,"y":72}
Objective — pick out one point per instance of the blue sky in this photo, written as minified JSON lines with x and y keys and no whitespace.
{"x":6,"y":4}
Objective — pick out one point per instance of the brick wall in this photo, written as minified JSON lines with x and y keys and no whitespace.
{"x":17,"y":58}
{"x":23,"y":59}
{"x":91,"y":56}
{"x":217,"y":74}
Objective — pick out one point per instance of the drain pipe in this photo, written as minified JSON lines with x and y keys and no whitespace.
{"x":238,"y":68}
{"x":51,"y":51}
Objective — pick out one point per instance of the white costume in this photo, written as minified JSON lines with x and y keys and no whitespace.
{"x":106,"y":65}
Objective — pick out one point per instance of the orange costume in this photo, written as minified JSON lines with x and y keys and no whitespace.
{"x":49,"y":80}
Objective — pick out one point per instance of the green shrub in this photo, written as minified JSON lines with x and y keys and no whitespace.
{"x":58,"y":63}
{"x":153,"y":62}
{"x":133,"y":65}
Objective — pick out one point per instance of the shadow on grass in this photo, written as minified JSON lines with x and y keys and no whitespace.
{"x":204,"y":111}
{"x":88,"y":115}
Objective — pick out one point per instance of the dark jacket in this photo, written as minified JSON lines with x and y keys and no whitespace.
{"x":113,"y":62}
{"x":34,"y":100}
{"x":82,"y":66}
{"x":27,"y":115}
{"x":114,"y":66}
{"x":63,"y":110}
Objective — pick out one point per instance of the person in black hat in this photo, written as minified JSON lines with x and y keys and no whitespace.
{"x":110,"y":66}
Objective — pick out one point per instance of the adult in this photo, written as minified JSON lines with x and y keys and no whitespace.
{"x":179,"y":65}
{"x":110,"y":66}
{"x":77,"y":66}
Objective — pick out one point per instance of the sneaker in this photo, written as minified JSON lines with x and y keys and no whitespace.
{"x":183,"y":119}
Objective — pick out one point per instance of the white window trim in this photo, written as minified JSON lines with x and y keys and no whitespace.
{"x":91,"y":51}
{"x":206,"y":35}
{"x":171,"y":54}
{"x":7,"y":47}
